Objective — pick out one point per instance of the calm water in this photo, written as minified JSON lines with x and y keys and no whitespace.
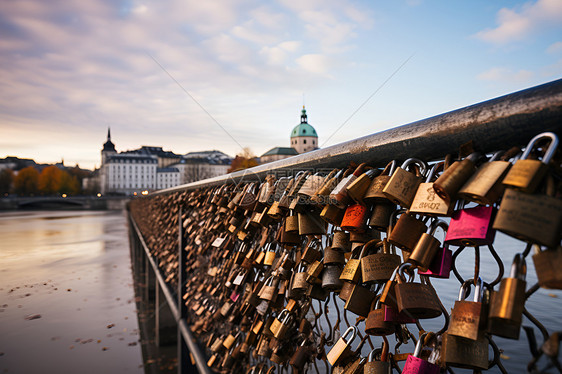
{"x":72,"y":269}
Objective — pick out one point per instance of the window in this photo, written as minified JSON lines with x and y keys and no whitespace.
{"x":313,"y":142}
{"x":304,"y":131}
{"x":304,"y":141}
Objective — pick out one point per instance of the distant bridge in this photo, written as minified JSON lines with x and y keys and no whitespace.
{"x":59,"y":202}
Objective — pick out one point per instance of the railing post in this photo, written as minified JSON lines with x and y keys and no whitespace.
{"x":184,"y":363}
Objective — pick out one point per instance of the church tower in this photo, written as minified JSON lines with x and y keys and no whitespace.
{"x":108,"y":148}
{"x":303,"y":136}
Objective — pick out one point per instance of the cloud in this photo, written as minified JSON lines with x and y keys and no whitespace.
{"x":555,"y":48}
{"x":314,"y":63}
{"x":502,"y":74}
{"x":518,"y":24}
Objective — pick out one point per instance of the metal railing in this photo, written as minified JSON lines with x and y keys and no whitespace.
{"x":511,"y":119}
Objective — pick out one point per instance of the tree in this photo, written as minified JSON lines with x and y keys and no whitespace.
{"x":69,"y":184}
{"x":27,"y":181}
{"x":244,"y":160}
{"x":50,"y":180}
{"x":6,"y":180}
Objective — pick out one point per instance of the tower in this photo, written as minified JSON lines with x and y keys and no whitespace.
{"x":303,"y":136}
{"x":108,"y":147}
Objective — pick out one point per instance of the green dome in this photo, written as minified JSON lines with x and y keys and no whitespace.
{"x":303,"y":129}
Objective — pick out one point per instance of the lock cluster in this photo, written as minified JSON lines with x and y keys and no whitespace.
{"x":275,"y":268}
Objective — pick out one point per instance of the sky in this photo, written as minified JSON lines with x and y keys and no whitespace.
{"x":196,"y":75}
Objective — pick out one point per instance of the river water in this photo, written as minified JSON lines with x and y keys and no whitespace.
{"x":66,"y":294}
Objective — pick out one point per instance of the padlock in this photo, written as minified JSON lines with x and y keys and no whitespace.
{"x":331,"y":278}
{"x":427,"y":247}
{"x":332,"y":256}
{"x":374,"y":193}
{"x":427,"y":202}
{"x":310,"y":223}
{"x":345,"y":290}
{"x":380,"y":216}
{"x":468,"y":318}
{"x":288,"y":201}
{"x":267,"y":190}
{"x":455,"y":176}
{"x":339,"y":196}
{"x":292,"y":223}
{"x":388,"y":293}
{"x":548,"y":264}
{"x":331,"y":181}
{"x":284,"y":325}
{"x":332,"y":214}
{"x":379,"y":266}
{"x":281,"y":203}
{"x":352,"y":270}
{"x":249,"y":198}
{"x":271,"y":250}
{"x":314,"y":272}
{"x":342,"y":350}
{"x":403,"y":184}
{"x":340,"y":241}
{"x":300,"y":285}
{"x":531,"y":218}
{"x":472,"y":226}
{"x":359,"y":300}
{"x":506,"y":306}
{"x":312,"y":251}
{"x":392,"y":315}
{"x":441,"y":265}
{"x":355,"y":218}
{"x":357,"y":189}
{"x":417,"y":300}
{"x":229,"y":341}
{"x":485,"y":185}
{"x":311,"y":185}
{"x":301,"y":356}
{"x":375,"y":323}
{"x":416,"y":365}
{"x":525,"y":175}
{"x":407,"y":231}
{"x":464,"y":353}
{"x":269,"y":290}
{"x":381,"y":366}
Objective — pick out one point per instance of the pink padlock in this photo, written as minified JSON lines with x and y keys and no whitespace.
{"x":472,"y":227}
{"x":441,"y":265}
{"x":392,"y":315}
{"x":416,"y":365}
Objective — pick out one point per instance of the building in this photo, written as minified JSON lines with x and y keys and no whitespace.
{"x":195,"y":166}
{"x":151,"y":168}
{"x":303,"y":139}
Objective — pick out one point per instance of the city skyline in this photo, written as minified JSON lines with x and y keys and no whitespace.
{"x":192,"y":76}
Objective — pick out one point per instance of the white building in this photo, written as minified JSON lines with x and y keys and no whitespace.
{"x":167,"y":177}
{"x":196,"y":166}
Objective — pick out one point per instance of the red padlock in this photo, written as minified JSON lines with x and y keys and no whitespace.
{"x":416,"y":365}
{"x":441,"y":265}
{"x":355,"y":218}
{"x":472,"y":227}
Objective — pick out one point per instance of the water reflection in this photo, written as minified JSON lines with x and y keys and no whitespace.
{"x":73,"y":269}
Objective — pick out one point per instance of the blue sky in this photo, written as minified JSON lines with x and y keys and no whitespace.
{"x":71,"y":69}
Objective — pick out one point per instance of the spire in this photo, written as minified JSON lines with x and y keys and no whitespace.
{"x":303,"y":115}
{"x":108,"y":133}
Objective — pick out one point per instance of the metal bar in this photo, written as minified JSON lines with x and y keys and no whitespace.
{"x":511,"y":119}
{"x":189,"y":339}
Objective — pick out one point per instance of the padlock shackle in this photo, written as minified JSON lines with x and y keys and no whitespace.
{"x":416,"y":161}
{"x":431,"y":173}
{"x":350,"y":330}
{"x":437,"y":224}
{"x":518,"y":267}
{"x":478,"y":290}
{"x":419,"y":345}
{"x":402,"y":270}
{"x":549,"y":151}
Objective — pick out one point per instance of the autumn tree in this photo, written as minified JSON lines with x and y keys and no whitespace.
{"x":244,"y":160}
{"x":6,"y":180}
{"x":69,"y":184}
{"x":27,"y":181}
{"x":50,"y":180}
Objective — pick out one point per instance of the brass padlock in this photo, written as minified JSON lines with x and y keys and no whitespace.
{"x":292,"y":223}
{"x":525,"y":175}
{"x":331,"y":278}
{"x":271,"y":250}
{"x":375,"y":323}
{"x":312,"y":252}
{"x":269,"y":290}
{"x":331,"y":181}
{"x":531,"y":218}
{"x":311,"y":185}
{"x":403,"y":184}
{"x":416,"y":300}
{"x":464,"y":353}
{"x":359,"y":300}
{"x":357,"y":189}
{"x":380,"y":216}
{"x":381,"y":366}
{"x":282,"y":318}
{"x":332,"y":214}
{"x":352,"y":270}
{"x":341,"y":350}
{"x":407,"y":231}
{"x":310,"y":223}
{"x":302,"y":355}
{"x":548,"y":264}
{"x":506,"y":306}
{"x":379,"y":266}
{"x":427,"y":202}
{"x":339,"y":195}
{"x":332,"y":256}
{"x":388,"y":293}
{"x":374,"y":193}
{"x":340,"y":241}
{"x":428,"y":246}
{"x":485,"y":185}
{"x":455,"y":176}
{"x":467,"y":317}
{"x":314,"y":272}
{"x":300,"y":285}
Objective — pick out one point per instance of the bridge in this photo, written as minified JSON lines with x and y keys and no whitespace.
{"x":59,"y":202}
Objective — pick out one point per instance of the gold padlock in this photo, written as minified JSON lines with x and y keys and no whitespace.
{"x":402,"y":185}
